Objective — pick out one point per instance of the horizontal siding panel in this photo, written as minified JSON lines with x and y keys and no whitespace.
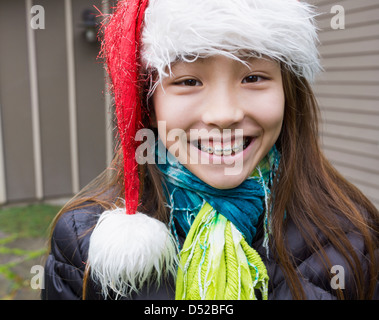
{"x":369,"y":149}
{"x":349,"y":5}
{"x":357,"y":119}
{"x":347,"y":34}
{"x":356,"y":90}
{"x":349,"y":75}
{"x":348,"y":92}
{"x":370,"y":192}
{"x":361,"y":180}
{"x":355,"y":133}
{"x":343,"y":103}
{"x":364,"y":47}
{"x":360,"y":162}
{"x":365,"y":61}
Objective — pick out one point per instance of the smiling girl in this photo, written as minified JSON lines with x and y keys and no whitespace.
{"x":239,"y":201}
{"x":216,"y":94}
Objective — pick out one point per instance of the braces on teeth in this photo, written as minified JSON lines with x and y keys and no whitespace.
{"x":226,"y":151}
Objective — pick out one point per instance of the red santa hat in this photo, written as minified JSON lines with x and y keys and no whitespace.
{"x":142,"y":36}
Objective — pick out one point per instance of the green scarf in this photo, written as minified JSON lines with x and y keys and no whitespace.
{"x":216,"y":261}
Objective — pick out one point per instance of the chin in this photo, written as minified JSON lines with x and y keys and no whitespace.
{"x":221,"y":180}
{"x":226,"y":185}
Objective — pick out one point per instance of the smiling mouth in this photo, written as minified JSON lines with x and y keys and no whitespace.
{"x":227,"y":149}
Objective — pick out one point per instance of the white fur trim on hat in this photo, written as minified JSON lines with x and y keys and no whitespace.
{"x":128,"y":251}
{"x":283,"y":30}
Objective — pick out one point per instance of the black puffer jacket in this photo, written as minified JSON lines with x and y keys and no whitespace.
{"x":69,"y":246}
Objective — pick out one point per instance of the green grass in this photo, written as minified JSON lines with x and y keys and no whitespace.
{"x":28,"y":221}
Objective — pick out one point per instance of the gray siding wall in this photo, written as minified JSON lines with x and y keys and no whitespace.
{"x":69,"y":98}
{"x":15,"y":102}
{"x":348,"y":92}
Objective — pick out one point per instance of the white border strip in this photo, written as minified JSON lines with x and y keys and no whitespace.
{"x":3,"y":186}
{"x":108,"y":113}
{"x":72,"y":96}
{"x":33,"y":77}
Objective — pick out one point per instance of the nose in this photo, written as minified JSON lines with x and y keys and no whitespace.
{"x":222,"y":108}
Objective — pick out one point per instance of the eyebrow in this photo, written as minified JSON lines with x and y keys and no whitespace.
{"x":250,"y":62}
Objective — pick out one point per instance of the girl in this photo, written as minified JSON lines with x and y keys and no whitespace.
{"x":219,"y":189}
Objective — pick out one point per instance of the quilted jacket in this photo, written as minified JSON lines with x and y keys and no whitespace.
{"x":70,"y":241}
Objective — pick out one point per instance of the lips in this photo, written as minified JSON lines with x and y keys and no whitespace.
{"x":221,"y":148}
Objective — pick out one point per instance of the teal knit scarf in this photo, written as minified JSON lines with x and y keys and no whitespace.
{"x":207,"y":213}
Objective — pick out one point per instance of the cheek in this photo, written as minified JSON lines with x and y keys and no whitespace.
{"x":176,"y":113}
{"x":164,"y":112}
{"x":274,"y":119}
{"x":270,"y":112}
{"x":172,"y":120}
{"x":161,"y":107}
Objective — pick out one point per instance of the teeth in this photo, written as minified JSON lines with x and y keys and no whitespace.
{"x":226,"y":151}
{"x":207,"y":149}
{"x":217,"y":150}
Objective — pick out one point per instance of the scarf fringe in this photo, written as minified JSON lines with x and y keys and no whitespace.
{"x":206,"y":274}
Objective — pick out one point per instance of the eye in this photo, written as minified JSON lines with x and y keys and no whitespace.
{"x":252,"y":78}
{"x":189,"y":83}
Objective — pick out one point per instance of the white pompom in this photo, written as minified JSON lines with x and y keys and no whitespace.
{"x":127,"y":251}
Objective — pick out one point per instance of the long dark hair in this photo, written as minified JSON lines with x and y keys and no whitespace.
{"x":310,"y":192}
{"x":316,"y":196}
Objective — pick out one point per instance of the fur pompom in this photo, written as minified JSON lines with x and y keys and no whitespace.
{"x":128,"y":251}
